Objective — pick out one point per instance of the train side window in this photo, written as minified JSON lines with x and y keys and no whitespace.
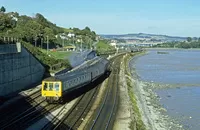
{"x":70,"y":83}
{"x":50,"y":86}
{"x":45,"y":86}
{"x":75,"y":81}
{"x":56,"y":86}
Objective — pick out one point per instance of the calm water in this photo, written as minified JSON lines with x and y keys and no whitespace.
{"x":178,"y":67}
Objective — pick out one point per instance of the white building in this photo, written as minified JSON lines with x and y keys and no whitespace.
{"x":71,"y":35}
{"x":113,"y":44}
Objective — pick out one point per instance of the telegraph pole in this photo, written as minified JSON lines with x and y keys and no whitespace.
{"x":35,"y":41}
{"x":42,"y":43}
{"x":63,"y":44}
{"x":47,"y":44}
{"x":81,"y":45}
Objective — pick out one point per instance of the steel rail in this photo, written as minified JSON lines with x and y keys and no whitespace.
{"x":48,"y":125}
{"x":85,"y":108}
{"x":111,"y":81}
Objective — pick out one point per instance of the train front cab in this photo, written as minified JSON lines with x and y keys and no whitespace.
{"x":52,"y":91}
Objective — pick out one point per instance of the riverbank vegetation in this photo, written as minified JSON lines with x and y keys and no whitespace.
{"x":185,"y":44}
{"x":138,"y":119}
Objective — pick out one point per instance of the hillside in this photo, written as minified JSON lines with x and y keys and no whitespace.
{"x":35,"y":32}
{"x":145,"y":37}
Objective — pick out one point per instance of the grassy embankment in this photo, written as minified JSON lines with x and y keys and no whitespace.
{"x":139,"y":123}
{"x":51,"y":64}
{"x":57,"y":54}
{"x":103,"y":48}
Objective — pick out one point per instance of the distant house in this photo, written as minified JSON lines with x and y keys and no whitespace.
{"x":78,"y":40}
{"x":98,"y":38}
{"x":113,"y":44}
{"x":70,"y":48}
{"x":63,"y":36}
{"x":71,"y":34}
{"x":12,"y":15}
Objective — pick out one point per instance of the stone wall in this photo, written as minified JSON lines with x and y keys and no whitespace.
{"x":18,"y":70}
{"x":8,"y":48}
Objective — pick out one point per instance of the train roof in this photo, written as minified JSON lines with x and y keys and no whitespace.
{"x":51,"y":79}
{"x":79,"y":71}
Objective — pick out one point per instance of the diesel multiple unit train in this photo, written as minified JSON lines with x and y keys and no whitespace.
{"x":54,"y":88}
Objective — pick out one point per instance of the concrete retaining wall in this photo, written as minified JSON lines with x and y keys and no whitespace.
{"x":8,"y":48}
{"x":18,"y":71}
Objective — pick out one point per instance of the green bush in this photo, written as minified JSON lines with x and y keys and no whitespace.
{"x":50,"y":63}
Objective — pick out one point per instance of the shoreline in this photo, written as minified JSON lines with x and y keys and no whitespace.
{"x":153,"y":114}
{"x":157,"y":48}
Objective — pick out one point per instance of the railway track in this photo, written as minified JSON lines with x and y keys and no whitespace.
{"x":56,"y":121}
{"x":74,"y":117}
{"x":104,"y":116}
{"x":29,"y":117}
{"x":8,"y":113}
{"x":25,"y":112}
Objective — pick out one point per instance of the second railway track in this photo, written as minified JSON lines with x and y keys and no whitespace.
{"x":74,"y":117}
{"x":104,"y":116}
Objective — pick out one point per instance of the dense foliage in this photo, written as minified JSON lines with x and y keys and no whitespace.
{"x":37,"y":31}
{"x":2,"y":9}
{"x":50,"y":63}
{"x":186,"y":45}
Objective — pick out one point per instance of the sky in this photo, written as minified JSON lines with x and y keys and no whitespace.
{"x":169,"y":17}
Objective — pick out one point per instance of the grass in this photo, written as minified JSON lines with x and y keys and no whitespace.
{"x":51,"y":64}
{"x":103,"y":47}
{"x":58,"y":54}
{"x":67,"y":30}
{"x":138,"y":119}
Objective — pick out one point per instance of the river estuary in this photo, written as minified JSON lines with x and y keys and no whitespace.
{"x":177,"y":73}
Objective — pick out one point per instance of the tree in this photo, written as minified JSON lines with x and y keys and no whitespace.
{"x":42,"y":20}
{"x":3,"y":9}
{"x":49,"y":32}
{"x":189,"y":39}
{"x":199,"y":39}
{"x":87,"y":28}
{"x":5,"y":22}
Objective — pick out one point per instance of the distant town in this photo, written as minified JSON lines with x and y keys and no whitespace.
{"x":142,"y":38}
